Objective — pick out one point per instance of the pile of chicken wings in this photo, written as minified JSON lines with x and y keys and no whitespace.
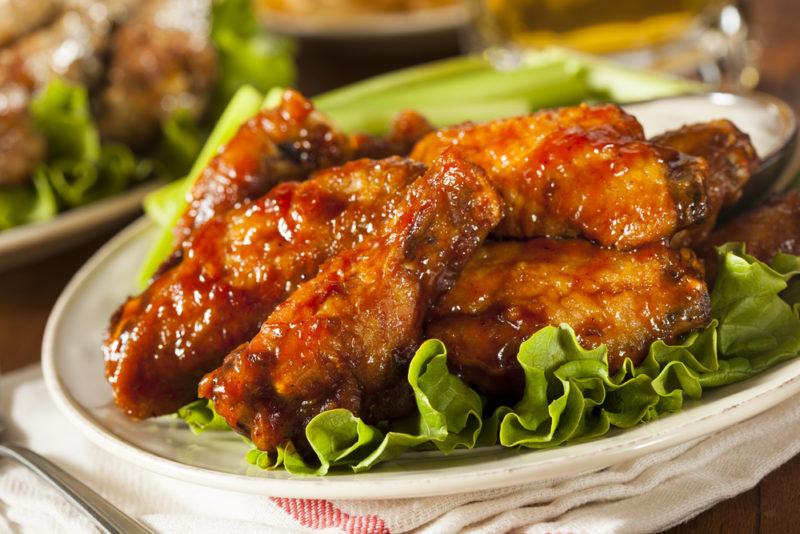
{"x":309,"y":264}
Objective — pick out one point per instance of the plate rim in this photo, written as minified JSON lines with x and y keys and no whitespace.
{"x":367,"y":25}
{"x":504,"y":472}
{"x":81,"y":220}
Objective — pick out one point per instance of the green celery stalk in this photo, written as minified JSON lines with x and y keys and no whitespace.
{"x":484,"y":86}
{"x":401,"y":80}
{"x":161,"y":204}
{"x":244,"y":104}
{"x":273,"y":98}
{"x":619,"y":83}
{"x":166,"y":204}
{"x":375,"y":121}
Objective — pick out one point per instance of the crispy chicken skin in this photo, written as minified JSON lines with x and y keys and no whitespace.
{"x":580,"y":171}
{"x":233,"y":272}
{"x":344,"y":339}
{"x":772,"y":227}
{"x":731,"y":159}
{"x":510,"y":290}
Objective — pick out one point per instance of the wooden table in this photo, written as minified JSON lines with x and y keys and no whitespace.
{"x":28,"y":293}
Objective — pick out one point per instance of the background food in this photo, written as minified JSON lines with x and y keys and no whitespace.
{"x":339,"y":7}
{"x":98,"y":95}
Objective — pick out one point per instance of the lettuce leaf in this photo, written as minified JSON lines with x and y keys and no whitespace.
{"x":448,"y":416}
{"x":247,"y":56}
{"x":78,"y":169}
{"x":180,"y":144}
{"x":25,"y":204}
{"x":61,"y":113}
{"x":569,"y":394}
{"x":200,"y":416}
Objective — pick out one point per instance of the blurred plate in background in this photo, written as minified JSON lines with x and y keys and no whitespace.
{"x":30,"y":242}
{"x":367,"y":25}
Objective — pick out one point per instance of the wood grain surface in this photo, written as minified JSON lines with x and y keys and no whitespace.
{"x":28,"y":293}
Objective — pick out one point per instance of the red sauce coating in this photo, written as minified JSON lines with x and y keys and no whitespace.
{"x":510,"y":290}
{"x":232,"y":273}
{"x":344,"y":338}
{"x":580,"y":171}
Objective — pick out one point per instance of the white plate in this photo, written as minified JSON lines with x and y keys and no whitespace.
{"x":73,"y":370}
{"x":351,"y":26}
{"x":34,"y":241}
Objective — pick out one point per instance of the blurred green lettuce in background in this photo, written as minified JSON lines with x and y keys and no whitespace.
{"x":80,"y":169}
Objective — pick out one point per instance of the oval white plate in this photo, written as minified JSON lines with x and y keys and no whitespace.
{"x":352,"y":26}
{"x":73,"y":370}
{"x":33,"y":241}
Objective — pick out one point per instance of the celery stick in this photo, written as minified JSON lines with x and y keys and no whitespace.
{"x":526,"y":92}
{"x":273,"y":98}
{"x":161,"y":204}
{"x":617,"y":82}
{"x":477,"y":87}
{"x":166,"y":204}
{"x":400,"y":80}
{"x":375,"y":121}
{"x":244,"y":104}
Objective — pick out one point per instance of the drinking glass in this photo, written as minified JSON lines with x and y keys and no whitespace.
{"x":705,"y":39}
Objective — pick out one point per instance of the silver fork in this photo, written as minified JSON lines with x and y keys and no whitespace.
{"x":107,"y":517}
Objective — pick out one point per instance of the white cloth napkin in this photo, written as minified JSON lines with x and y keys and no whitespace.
{"x":649,"y":494}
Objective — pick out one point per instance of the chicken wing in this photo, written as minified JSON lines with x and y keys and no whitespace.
{"x":765,"y":230}
{"x":731,"y":159}
{"x":232,"y":273}
{"x":407,"y":128}
{"x":288,"y":142}
{"x":581,"y":171}
{"x":344,"y":339}
{"x":22,"y":147}
{"x":162,"y":59}
{"x":509,"y":290}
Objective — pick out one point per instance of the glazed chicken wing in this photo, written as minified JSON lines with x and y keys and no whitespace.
{"x":510,"y":290}
{"x":731,"y":159}
{"x":233,"y":272}
{"x":288,"y":142}
{"x":22,"y":147}
{"x":581,"y":171}
{"x":344,"y":339}
{"x":765,"y":230}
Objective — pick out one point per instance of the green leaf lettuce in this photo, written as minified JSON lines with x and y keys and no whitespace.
{"x":569,"y":394}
